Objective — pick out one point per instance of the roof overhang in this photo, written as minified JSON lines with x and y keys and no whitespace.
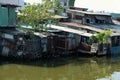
{"x":11,"y":5}
{"x":100,"y":17}
{"x":87,"y":12}
{"x":58,"y":17}
{"x":70,"y":30}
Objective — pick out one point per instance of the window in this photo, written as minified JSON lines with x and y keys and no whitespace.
{"x":100,"y":19}
{"x":85,"y":40}
{"x":69,"y":15}
{"x":87,"y":20}
{"x":77,"y":17}
{"x":115,"y":41}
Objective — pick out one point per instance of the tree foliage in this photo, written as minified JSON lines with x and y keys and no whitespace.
{"x":37,"y":14}
{"x":102,"y":37}
{"x":57,"y":6}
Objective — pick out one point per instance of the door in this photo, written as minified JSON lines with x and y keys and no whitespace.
{"x":102,"y":49}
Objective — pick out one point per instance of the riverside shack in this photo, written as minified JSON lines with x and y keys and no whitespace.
{"x":84,"y":24}
{"x":15,"y":43}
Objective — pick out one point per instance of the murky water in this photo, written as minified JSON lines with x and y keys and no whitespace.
{"x":77,"y":68}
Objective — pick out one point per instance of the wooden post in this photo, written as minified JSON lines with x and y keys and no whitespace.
{"x":65,"y":43}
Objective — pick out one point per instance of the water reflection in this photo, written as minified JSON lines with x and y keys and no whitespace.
{"x":114,"y":76}
{"x":72,"y":68}
{"x":46,"y":63}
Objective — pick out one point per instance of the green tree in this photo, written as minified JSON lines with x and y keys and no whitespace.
{"x":102,"y":37}
{"x":57,"y":7}
{"x":37,"y":13}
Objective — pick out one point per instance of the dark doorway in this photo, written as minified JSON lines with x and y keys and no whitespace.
{"x":87,"y":20}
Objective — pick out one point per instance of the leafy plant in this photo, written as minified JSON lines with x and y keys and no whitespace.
{"x":102,"y":37}
{"x":38,"y":15}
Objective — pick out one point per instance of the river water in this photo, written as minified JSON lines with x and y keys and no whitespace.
{"x":69,"y":68}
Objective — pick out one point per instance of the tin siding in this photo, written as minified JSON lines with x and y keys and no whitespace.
{"x":115,"y":50}
{"x":0,"y":15}
{"x":12,"y":16}
{"x":3,"y":16}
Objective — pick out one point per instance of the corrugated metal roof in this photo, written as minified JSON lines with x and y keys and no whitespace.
{"x":70,"y":30}
{"x":114,"y":28}
{"x":115,"y":34}
{"x":86,"y":12}
{"x":81,"y":26}
{"x":59,"y":17}
{"x":43,"y":34}
{"x":116,"y":22}
{"x":40,"y":35}
{"x":78,"y":8}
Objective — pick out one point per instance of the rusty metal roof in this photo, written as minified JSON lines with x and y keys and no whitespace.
{"x":82,"y":26}
{"x":70,"y":30}
{"x":80,"y":32}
